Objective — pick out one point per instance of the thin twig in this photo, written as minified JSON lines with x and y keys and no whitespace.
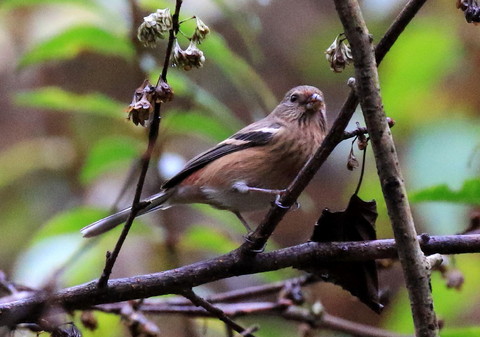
{"x":145,"y":160}
{"x":417,"y":276}
{"x":327,"y":321}
{"x":257,"y":240}
{"x":362,"y":130}
{"x":288,"y":311}
{"x":175,"y":280}
{"x":232,"y":310}
{"x":245,"y":293}
{"x":216,"y":312}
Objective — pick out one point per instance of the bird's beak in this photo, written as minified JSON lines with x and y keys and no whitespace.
{"x":314,"y":102}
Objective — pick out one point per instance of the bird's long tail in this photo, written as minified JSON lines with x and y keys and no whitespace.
{"x":101,"y":226}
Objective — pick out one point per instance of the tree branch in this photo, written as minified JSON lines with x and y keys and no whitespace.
{"x":145,"y":159}
{"x":417,"y":276}
{"x":327,"y":321}
{"x":176,"y":280}
{"x":285,"y":309}
{"x":216,"y":312}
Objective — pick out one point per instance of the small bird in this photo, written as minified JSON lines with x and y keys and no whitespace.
{"x":248,"y":170}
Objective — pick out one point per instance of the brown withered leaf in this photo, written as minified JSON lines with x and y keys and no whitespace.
{"x":355,"y":223}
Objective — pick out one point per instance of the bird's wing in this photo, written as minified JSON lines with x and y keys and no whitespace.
{"x":256,"y":134}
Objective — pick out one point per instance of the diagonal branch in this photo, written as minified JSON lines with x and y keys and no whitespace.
{"x":257,"y":240}
{"x":417,"y":275}
{"x":216,"y":312}
{"x":145,"y":159}
{"x":228,"y":265}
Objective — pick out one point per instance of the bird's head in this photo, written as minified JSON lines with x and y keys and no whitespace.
{"x":303,"y":104}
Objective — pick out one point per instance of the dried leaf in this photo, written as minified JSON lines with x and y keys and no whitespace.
{"x":356,"y":223}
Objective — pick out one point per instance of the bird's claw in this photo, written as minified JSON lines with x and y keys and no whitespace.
{"x":279,"y":204}
{"x":251,"y":242}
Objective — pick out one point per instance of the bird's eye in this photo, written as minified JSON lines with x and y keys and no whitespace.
{"x":293,"y":98}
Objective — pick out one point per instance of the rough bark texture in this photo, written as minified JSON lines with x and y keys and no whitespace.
{"x":175,"y":280}
{"x":368,"y":90}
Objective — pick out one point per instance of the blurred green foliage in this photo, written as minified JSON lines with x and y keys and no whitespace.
{"x":468,"y":194}
{"x":68,"y":44}
{"x":55,"y":98}
{"x":108,"y":154}
{"x":427,"y":88}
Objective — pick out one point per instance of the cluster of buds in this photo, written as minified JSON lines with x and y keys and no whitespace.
{"x":188,"y":58}
{"x":141,"y":107}
{"x":339,"y":54}
{"x":154,"y":26}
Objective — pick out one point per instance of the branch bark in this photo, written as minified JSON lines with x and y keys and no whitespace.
{"x":285,"y":309}
{"x":232,"y":264}
{"x":417,"y":275}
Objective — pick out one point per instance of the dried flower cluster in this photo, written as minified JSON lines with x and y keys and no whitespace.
{"x":352,"y":162}
{"x":339,"y":54}
{"x":154,"y":27}
{"x":201,"y":32}
{"x":141,"y":107}
{"x":188,"y":58}
{"x":192,"y":57}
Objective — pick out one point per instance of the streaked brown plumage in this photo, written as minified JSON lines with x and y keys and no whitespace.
{"x":248,"y":170}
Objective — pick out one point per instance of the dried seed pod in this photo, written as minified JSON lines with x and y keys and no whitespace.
{"x":362,"y":140}
{"x":89,"y":320}
{"x":163,"y":92}
{"x":154,"y":26}
{"x":188,"y":58}
{"x":201,"y":31}
{"x":141,"y":106}
{"x":339,"y":54}
{"x":352,"y":162}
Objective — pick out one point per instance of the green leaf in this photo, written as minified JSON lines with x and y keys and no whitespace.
{"x":109,"y":154}
{"x":56,"y":98}
{"x":468,"y":194}
{"x":71,"y":42}
{"x":22,"y":158}
{"x":153,"y":5}
{"x":59,"y":244}
{"x":196,"y":122}
{"x":450,"y":304}
{"x":411,"y":70}
{"x":14,"y":4}
{"x":69,"y":221}
{"x":186,"y":88}
{"x":208,"y":239}
{"x":461,"y":332}
{"x":247,"y":81}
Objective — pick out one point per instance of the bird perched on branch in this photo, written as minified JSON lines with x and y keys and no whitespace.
{"x":247,"y":171}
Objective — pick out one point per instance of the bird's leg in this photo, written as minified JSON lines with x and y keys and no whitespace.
{"x":242,"y":187}
{"x":243,"y":221}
